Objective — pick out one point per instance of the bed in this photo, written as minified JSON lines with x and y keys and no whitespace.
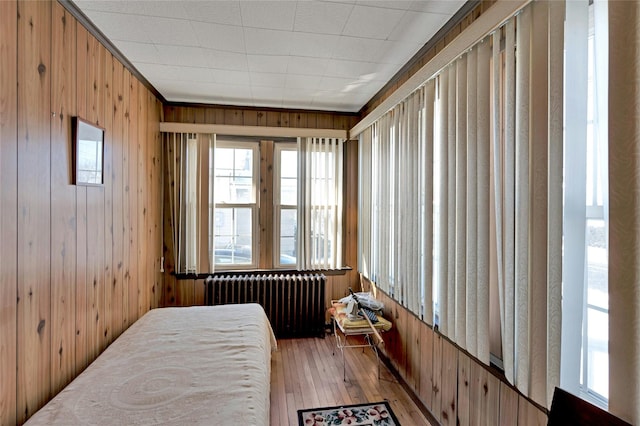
{"x":195,"y":365}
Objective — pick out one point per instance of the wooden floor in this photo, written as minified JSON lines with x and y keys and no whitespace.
{"x":305,"y":374}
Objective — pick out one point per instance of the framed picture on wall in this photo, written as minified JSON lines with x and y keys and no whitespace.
{"x":88,"y":151}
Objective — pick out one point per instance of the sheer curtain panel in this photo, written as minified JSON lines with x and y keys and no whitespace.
{"x":189,"y":196}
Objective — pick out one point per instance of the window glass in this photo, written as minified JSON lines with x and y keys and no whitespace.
{"x":235,"y":215}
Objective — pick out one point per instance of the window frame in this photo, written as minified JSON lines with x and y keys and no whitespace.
{"x":253,"y":206}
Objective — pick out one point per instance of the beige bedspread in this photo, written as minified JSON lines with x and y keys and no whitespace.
{"x":198,"y":365}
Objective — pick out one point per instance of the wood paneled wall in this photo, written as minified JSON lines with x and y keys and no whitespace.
{"x":245,"y":116}
{"x":78,"y":264}
{"x":455,"y":387}
{"x":186,"y":292}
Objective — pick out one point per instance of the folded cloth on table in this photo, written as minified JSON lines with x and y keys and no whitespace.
{"x":340,"y":314}
{"x":366,"y":300}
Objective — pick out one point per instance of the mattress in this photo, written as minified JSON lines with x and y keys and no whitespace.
{"x":196,"y":365}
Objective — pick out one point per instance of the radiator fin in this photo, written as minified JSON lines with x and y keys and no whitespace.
{"x":294,"y":303}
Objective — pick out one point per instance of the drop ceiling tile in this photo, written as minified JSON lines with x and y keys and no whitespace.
{"x":275,"y":15}
{"x":341,"y":85}
{"x":217,"y":12}
{"x":261,"y":95}
{"x":139,"y":52}
{"x":194,"y":74}
{"x":165,"y":8}
{"x":358,"y":49}
{"x":417,"y":27}
{"x":226,"y":60}
{"x":177,"y":32}
{"x":156,"y":72}
{"x":354,"y":69}
{"x":321,"y":17}
{"x":298,"y":82}
{"x":101,"y":6}
{"x":398,"y":52}
{"x":307,"y":66}
{"x":181,"y":55}
{"x":313,"y":45}
{"x":372,"y":22}
{"x":302,"y":98}
{"x":117,"y":26}
{"x":268,"y":63}
{"x":207,"y":92}
{"x":260,"y":41}
{"x":267,"y":80}
{"x":231,"y":77}
{"x":447,"y":7}
{"x":227,"y":38}
{"x":387,"y":4}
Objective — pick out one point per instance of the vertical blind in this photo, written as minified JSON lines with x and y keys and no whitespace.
{"x":467,"y":174}
{"x":320,"y":180}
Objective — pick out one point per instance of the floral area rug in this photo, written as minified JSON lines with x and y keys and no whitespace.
{"x":376,"y":413}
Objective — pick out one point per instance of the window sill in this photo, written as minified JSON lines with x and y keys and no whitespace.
{"x":201,"y":276}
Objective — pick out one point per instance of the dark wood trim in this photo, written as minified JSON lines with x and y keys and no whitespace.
{"x":169,"y":104}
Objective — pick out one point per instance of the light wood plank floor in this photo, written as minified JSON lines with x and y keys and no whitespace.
{"x":305,"y":374}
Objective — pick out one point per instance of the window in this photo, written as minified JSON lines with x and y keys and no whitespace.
{"x":585,"y":352}
{"x":236,"y":180}
{"x":595,"y":335}
{"x":285,"y":204}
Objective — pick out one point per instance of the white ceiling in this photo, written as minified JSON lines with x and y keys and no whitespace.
{"x":302,"y":54}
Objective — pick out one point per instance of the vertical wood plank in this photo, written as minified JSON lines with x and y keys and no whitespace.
{"x":132,"y":282}
{"x":117,"y":191}
{"x":63,"y":199}
{"x":266,"y":205}
{"x":95,"y":271}
{"x":95,"y":213}
{"x":437,"y":376}
{"x":464,"y":365}
{"x":141,"y":143}
{"x":508,"y":406}
{"x":8,"y":210}
{"x":351,"y":203}
{"x":126,"y":200}
{"x":413,"y":353}
{"x":425,"y":387}
{"x":82,"y":308}
{"x":529,"y":414}
{"x":449,"y":383}
{"x":155,"y":202}
{"x":34,"y":199}
{"x":106,"y":73}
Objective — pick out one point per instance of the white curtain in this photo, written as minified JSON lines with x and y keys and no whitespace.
{"x":189,"y":196}
{"x":320,"y":177}
{"x":624,"y":209}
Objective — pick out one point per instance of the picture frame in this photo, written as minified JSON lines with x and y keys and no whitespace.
{"x":88,"y":152}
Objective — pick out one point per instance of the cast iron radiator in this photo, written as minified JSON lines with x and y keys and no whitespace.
{"x":294,"y":303}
